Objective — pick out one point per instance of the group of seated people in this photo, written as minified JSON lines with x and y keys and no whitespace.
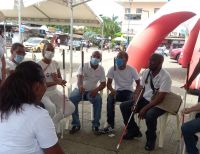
{"x":26,"y":127}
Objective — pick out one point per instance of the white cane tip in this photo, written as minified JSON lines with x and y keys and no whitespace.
{"x":117,"y":146}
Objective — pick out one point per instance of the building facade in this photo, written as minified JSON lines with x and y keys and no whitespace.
{"x":136,"y":12}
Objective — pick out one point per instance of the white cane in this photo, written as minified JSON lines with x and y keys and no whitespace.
{"x":64,"y":97}
{"x":82,"y":65}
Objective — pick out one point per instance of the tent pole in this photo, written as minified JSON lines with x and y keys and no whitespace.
{"x":4,"y":27}
{"x":19,"y":19}
{"x":71,"y":44}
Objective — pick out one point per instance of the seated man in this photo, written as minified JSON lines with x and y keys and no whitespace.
{"x":155,"y":77}
{"x":190,"y":128}
{"x":123,"y":76}
{"x":88,"y":77}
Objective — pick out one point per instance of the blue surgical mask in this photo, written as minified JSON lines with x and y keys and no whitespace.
{"x":19,"y":58}
{"x":95,"y":61}
{"x":119,"y":62}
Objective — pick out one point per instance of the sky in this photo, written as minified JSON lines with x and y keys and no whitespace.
{"x":106,"y":8}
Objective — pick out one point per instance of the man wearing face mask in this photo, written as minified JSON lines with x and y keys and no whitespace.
{"x":123,"y":76}
{"x":87,"y":89}
{"x":17,"y":56}
{"x":53,"y":98}
{"x":160,"y":79}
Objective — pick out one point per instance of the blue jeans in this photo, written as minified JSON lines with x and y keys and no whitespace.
{"x":121,"y":96}
{"x":189,"y":129}
{"x":76,"y":97}
{"x":151,"y":117}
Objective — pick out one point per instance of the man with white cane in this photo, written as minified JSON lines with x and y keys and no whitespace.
{"x":190,"y":128}
{"x":88,"y":89}
{"x":154,"y":78}
{"x":124,"y":76}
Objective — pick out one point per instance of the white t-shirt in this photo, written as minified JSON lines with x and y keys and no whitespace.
{"x":161,"y":81}
{"x":123,"y":78}
{"x":11,"y":65}
{"x":91,"y":76}
{"x":52,"y":68}
{"x":27,"y":131}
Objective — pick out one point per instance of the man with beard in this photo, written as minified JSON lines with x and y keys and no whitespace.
{"x":155,"y":78}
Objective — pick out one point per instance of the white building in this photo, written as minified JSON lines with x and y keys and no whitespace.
{"x":136,"y":12}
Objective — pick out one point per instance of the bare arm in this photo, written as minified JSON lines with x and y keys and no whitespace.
{"x":56,"y":149}
{"x":109,"y":84}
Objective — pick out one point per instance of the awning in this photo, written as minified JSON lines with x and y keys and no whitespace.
{"x":54,"y":12}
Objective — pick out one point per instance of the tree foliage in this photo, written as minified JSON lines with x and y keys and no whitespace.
{"x":110,"y":27}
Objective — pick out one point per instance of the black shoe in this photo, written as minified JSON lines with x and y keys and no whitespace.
{"x":74,"y":129}
{"x":130,"y":136}
{"x":96,"y":131}
{"x":150,"y":146}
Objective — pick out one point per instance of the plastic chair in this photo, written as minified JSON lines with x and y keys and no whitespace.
{"x":162,"y":124}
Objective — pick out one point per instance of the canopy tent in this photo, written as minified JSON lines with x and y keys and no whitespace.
{"x":55,"y":12}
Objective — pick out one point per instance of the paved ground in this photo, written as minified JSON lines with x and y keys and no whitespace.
{"x":85,"y":142}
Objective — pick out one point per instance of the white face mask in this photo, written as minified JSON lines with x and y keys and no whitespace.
{"x":49,"y":54}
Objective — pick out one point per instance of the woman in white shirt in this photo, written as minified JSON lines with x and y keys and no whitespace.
{"x":53,"y":78}
{"x":25,"y":127}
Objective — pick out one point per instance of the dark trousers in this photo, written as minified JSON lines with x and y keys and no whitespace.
{"x":150,"y":117}
{"x":121,"y":96}
{"x":189,"y":129}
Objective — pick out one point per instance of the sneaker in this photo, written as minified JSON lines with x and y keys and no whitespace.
{"x":74,"y":129}
{"x":150,"y":146}
{"x":96,"y":131}
{"x":107,"y":129}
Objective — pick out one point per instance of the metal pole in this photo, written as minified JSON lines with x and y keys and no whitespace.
{"x":128,"y":40}
{"x":4,"y":26}
{"x":19,"y":19}
{"x":71,"y":43}
{"x":102,"y":41}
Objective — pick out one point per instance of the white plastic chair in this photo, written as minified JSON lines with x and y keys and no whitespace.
{"x":162,"y":124}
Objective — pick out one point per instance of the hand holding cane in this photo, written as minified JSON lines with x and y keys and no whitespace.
{"x":125,"y":127}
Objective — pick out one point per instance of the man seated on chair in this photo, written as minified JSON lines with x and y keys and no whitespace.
{"x":146,"y":108}
{"x":123,"y":76}
{"x":190,"y":128}
{"x":88,"y":90}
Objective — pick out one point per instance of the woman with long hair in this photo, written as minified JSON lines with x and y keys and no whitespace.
{"x":25,"y":127}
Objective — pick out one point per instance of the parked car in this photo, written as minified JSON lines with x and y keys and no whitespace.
{"x":76,"y":44}
{"x":35,"y":44}
{"x":175,"y":53}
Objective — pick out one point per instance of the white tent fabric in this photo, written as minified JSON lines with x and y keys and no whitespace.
{"x":50,"y":12}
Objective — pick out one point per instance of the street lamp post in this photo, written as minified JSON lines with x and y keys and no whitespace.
{"x":128,"y":30}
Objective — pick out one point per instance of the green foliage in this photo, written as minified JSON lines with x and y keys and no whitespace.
{"x":110,"y":27}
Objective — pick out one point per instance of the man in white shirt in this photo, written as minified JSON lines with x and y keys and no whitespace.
{"x":123,"y":76}
{"x":87,"y":89}
{"x":154,"y":78}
